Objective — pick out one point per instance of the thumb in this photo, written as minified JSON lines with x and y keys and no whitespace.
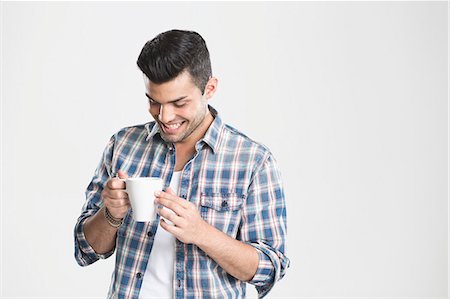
{"x":122,"y":175}
{"x":170,"y":191}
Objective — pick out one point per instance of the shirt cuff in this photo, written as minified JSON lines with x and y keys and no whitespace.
{"x":264,"y":278}
{"x":84,"y":253}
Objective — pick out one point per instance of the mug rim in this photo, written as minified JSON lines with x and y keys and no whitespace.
{"x":141,"y":178}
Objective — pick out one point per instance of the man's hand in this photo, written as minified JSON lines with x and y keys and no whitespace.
{"x":188,"y":226}
{"x":236,"y":258}
{"x":114,"y":196}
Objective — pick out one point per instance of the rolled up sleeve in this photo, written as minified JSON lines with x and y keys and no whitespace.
{"x":264,"y":225}
{"x":84,"y":253}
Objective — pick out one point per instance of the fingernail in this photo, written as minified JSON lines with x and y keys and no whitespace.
{"x":158,"y":193}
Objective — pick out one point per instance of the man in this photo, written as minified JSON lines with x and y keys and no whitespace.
{"x":223,"y":191}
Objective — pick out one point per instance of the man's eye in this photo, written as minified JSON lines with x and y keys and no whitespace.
{"x":179,"y":105}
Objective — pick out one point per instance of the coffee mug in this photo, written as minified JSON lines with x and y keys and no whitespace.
{"x":141,"y":193}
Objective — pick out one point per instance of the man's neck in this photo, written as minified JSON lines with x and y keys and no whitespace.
{"x":186,"y":149}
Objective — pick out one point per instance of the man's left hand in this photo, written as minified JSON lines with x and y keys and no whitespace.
{"x":188,"y":226}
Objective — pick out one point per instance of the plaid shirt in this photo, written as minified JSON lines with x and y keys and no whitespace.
{"x":236,"y":185}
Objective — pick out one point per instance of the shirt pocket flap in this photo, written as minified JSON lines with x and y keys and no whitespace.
{"x":222,"y":201}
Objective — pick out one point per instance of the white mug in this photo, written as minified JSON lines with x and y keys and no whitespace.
{"x":141,"y":193}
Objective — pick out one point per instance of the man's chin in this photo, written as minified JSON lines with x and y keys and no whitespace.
{"x":170,"y":138}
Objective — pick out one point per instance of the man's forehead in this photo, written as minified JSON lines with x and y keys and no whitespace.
{"x":173,"y":89}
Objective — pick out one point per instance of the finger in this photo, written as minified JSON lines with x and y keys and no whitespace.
{"x":172,"y":205}
{"x":170,"y":191}
{"x":169,"y":215}
{"x":164,"y":196}
{"x":170,"y":228}
{"x":119,"y":203}
{"x":115,"y":184}
{"x":116,"y":194}
{"x":122,"y":174}
{"x":110,"y":201}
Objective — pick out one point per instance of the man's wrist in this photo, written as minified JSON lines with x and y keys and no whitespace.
{"x":113,"y":221}
{"x":206,"y":234}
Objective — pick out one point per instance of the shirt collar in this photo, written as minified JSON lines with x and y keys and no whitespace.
{"x":211,"y":137}
{"x":152,"y":131}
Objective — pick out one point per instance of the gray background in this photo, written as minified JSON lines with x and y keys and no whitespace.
{"x":350,"y":96}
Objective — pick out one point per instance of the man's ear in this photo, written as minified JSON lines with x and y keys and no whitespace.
{"x":211,"y":87}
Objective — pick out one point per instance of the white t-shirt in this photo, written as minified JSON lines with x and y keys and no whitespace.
{"x":158,"y":277}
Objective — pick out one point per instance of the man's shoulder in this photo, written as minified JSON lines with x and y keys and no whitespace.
{"x":134,"y":131}
{"x":236,"y":138}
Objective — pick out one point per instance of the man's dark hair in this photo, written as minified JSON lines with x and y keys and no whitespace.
{"x":172,"y":52}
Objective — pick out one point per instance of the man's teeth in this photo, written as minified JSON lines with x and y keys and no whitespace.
{"x":174,"y":126}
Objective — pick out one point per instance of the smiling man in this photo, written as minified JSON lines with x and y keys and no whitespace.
{"x":223,"y":193}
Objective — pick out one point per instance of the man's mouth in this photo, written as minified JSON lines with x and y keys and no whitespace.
{"x":172,"y":128}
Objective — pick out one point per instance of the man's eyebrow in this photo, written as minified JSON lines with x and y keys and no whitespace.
{"x":173,"y":101}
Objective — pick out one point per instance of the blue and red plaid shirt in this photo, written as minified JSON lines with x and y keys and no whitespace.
{"x":237,"y":188}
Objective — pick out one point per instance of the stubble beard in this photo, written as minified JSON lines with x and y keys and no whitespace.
{"x":192,"y":126}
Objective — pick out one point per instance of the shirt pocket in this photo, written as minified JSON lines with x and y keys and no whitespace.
{"x":222,"y":210}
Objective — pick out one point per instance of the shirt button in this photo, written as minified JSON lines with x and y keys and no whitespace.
{"x":224,"y":204}
{"x":139,"y":275}
{"x":150,"y":234}
{"x":183,"y":196}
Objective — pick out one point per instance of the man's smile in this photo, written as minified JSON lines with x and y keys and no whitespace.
{"x":172,"y":128}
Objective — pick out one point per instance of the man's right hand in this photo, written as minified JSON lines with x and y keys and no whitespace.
{"x":114,"y":196}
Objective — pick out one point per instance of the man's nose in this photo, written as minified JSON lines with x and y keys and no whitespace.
{"x":166,"y":114}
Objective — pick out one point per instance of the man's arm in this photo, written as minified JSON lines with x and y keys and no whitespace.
{"x":98,"y":232}
{"x":236,"y":258}
{"x":264,"y":224}
{"x":258,"y":257}
{"x":94,"y":238}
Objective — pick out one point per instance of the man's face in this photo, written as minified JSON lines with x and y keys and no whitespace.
{"x":178,"y":107}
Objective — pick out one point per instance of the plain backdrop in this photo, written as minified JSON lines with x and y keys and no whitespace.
{"x":351,"y":97}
